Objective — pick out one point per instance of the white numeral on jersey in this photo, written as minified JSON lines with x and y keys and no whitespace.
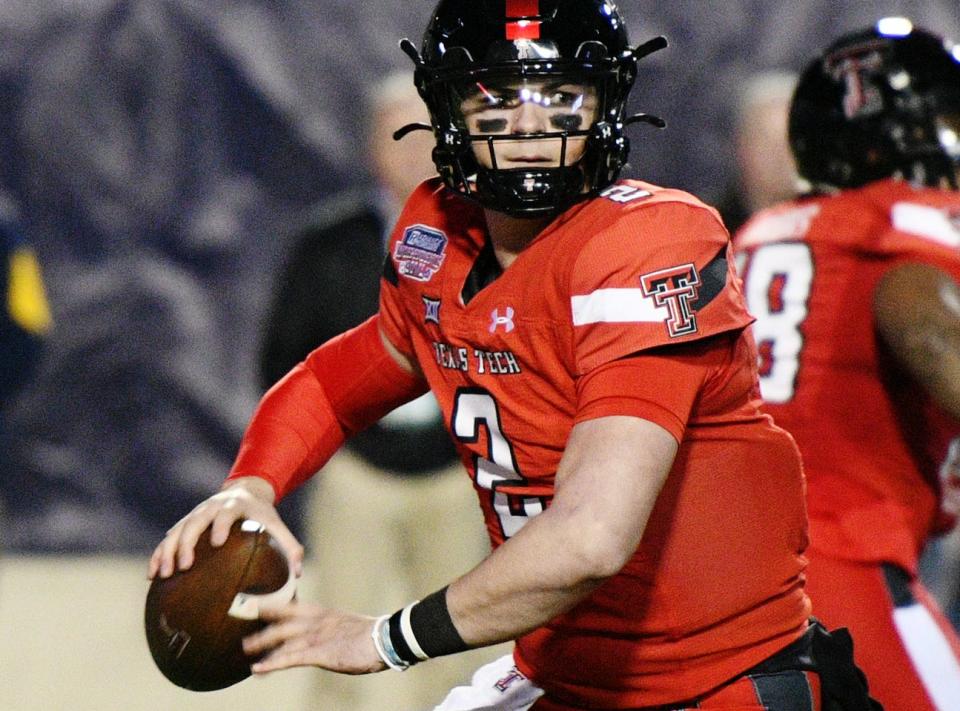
{"x":624,"y":193}
{"x":777,"y":280}
{"x":472,"y":409}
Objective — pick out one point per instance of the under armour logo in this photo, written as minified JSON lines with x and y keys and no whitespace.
{"x":497,"y":320}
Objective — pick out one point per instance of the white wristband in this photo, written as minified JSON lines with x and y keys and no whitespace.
{"x":409,"y":637}
{"x":384,"y":647}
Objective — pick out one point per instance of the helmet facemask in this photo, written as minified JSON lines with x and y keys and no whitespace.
{"x":527,"y":142}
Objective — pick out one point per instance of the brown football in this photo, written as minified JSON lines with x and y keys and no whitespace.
{"x":196,"y":619}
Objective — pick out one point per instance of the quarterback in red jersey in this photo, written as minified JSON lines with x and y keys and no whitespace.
{"x":855,"y":290}
{"x":588,"y":343}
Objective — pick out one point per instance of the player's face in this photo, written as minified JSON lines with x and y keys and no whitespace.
{"x":948,"y":131}
{"x":523,"y":107}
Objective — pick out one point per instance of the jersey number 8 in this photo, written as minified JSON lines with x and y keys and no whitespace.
{"x":777,"y":280}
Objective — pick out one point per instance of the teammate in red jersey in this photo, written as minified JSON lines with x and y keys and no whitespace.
{"x":855,"y":290}
{"x":588,"y":343}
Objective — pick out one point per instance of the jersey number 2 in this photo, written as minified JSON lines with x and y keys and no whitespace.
{"x":472,"y":409}
{"x":777,"y":280}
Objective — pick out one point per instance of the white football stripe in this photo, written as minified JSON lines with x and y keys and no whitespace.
{"x":931,"y":655}
{"x":246,"y":606}
{"x":616,"y":306}
{"x":927,"y":222}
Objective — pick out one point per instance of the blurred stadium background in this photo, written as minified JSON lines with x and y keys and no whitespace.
{"x":160,"y":152}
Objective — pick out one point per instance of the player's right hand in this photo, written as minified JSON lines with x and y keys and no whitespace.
{"x":245,"y":498}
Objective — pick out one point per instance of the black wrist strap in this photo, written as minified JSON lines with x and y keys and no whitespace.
{"x":397,"y":638}
{"x":431,"y":623}
{"x":425,"y":629}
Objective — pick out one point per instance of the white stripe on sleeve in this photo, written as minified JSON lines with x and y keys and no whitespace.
{"x":927,"y":222}
{"x":616,"y":306}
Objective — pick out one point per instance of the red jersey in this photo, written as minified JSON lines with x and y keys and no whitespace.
{"x":716,"y":583}
{"x":873,"y":443}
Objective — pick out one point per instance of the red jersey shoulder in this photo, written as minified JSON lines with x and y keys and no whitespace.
{"x":646,"y":272}
{"x":639,"y":226}
{"x":431,"y":220}
{"x":887,"y":218}
{"x":428,"y":197}
{"x":893,"y":219}
{"x":626,"y":199}
{"x":920,"y":219}
{"x":785,"y":222}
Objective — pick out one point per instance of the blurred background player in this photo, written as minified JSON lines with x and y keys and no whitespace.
{"x":394,"y":499}
{"x":855,"y":290}
{"x":764,"y":169}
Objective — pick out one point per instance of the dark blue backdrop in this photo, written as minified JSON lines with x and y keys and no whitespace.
{"x":161,"y":151}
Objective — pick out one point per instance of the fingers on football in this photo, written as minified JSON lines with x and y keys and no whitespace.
{"x":279,"y":611}
{"x":182,"y":538}
{"x":291,"y":546}
{"x":295,"y":653}
{"x":281,"y":632}
{"x":163,"y":559}
{"x":156,"y":561}
{"x":191,"y":528}
{"x":221,"y":522}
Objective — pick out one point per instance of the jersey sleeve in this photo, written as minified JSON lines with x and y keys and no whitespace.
{"x":922,"y":233}
{"x":670,"y":387}
{"x":392,"y":308}
{"x":660,"y":275}
{"x":392,"y":319}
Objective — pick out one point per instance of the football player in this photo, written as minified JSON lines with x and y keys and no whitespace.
{"x":588,"y":343}
{"x":855,"y":290}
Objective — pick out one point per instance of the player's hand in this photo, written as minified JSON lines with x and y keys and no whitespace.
{"x":301,"y":634}
{"x":246,"y":498}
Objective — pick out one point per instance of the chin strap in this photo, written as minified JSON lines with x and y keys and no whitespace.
{"x":648,"y":47}
{"x":410,"y":128}
{"x":639,"y":52}
{"x":646,"y":118}
{"x":411,"y":51}
{"x":408,"y":49}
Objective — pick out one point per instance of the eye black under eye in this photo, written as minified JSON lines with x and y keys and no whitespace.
{"x":566,"y":122}
{"x":497,"y":125}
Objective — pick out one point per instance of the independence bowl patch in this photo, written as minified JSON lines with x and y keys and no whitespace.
{"x":420,"y":253}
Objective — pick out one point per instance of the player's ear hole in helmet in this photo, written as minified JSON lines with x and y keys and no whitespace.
{"x":528,"y":99}
{"x":877,"y":103}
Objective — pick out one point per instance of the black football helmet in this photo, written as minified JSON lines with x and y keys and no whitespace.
{"x":485,"y":52}
{"x":878,"y":103}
